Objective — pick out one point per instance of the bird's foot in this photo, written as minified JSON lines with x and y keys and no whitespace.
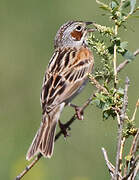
{"x":78,"y":110}
{"x":64,"y":129}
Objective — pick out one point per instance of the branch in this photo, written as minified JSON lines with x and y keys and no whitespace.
{"x":123,"y":64}
{"x":29,"y":167}
{"x":135,"y":144}
{"x":120,"y":130}
{"x":136,"y":170}
{"x":97,"y":84}
{"x":121,"y":153}
{"x":135,"y":163}
{"x":115,"y":57}
{"x":109,"y":165}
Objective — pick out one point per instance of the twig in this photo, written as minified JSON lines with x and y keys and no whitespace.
{"x":135,"y":111}
{"x":135,"y":144}
{"x":122,"y":117}
{"x":28,"y":167}
{"x":121,"y":153}
{"x":114,"y":57}
{"x":123,"y":64}
{"x":74,"y":117}
{"x":136,"y":171}
{"x":132,"y":152}
{"x":97,"y":84}
{"x":118,"y":117}
{"x":136,"y":161}
{"x":109,"y":165}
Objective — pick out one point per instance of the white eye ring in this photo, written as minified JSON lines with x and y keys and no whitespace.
{"x":79,"y":28}
{"x":73,"y":38}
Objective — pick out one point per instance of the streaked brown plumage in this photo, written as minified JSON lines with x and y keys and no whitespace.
{"x":65,"y":77}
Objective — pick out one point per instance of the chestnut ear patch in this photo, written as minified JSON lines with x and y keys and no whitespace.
{"x":77,"y":35}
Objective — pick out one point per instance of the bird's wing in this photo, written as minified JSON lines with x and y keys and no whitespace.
{"x":67,"y":71}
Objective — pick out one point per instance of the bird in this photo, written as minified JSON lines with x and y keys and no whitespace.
{"x":65,"y":77}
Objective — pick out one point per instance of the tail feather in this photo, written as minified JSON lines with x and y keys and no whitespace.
{"x":34,"y":147}
{"x":46,"y":147}
{"x":52,"y":140}
{"x":43,"y":142}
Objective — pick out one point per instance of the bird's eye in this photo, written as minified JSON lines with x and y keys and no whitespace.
{"x":78,"y":28}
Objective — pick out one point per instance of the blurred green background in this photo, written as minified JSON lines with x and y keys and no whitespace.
{"x":27,"y":30}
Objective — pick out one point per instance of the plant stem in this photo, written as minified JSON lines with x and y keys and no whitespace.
{"x":120,"y":143}
{"x":115,"y":57}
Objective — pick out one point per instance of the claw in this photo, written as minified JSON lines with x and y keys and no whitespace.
{"x":79,"y":113}
{"x":64,"y":129}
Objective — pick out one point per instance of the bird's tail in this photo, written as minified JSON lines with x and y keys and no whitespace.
{"x":43,"y":141}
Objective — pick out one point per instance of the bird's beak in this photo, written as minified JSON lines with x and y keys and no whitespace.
{"x":88,"y":23}
{"x":90,"y":29}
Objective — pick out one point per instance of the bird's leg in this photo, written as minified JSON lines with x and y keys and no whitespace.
{"x":78,"y":110}
{"x":64,"y":129}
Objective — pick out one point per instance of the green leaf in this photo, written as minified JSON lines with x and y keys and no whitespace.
{"x":113,"y":4}
{"x":128,"y":55}
{"x":103,"y":6}
{"x":124,"y":44}
{"x":126,"y":4}
{"x":116,"y":2}
{"x":106,"y":107}
{"x":120,"y":91}
{"x":111,"y":49}
{"x":128,"y":158}
{"x":105,"y":115}
{"x":97,"y":102}
{"x":132,"y":5}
